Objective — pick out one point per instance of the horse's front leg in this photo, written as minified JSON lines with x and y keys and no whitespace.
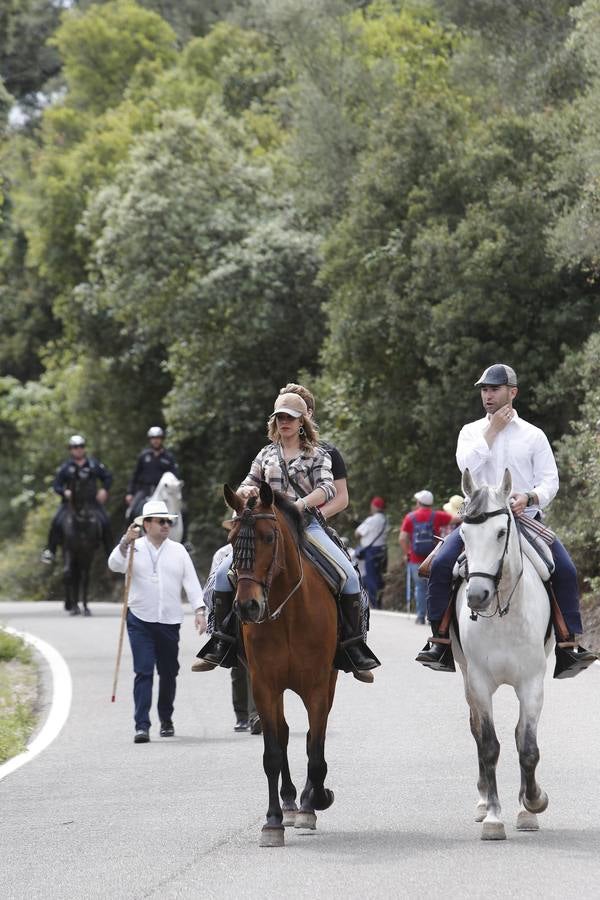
{"x":479,"y":698}
{"x":70,"y":583}
{"x":85,"y":586}
{"x":288,"y":788}
{"x":272,"y":834}
{"x":532,"y":798}
{"x":319,"y":797}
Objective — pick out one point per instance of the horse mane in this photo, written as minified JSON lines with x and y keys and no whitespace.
{"x":292,"y":514}
{"x":478,"y":502}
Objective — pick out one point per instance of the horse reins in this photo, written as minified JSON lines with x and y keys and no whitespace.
{"x":244,"y":557}
{"x":479,"y":520}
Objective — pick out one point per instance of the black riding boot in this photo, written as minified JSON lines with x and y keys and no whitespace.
{"x":437,"y":652}
{"x":571,"y":658}
{"x":221,"y":649}
{"x":353,"y":654}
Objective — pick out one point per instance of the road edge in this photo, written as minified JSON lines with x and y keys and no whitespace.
{"x":60,"y":704}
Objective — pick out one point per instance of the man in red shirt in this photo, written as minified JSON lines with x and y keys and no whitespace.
{"x":417,"y":541}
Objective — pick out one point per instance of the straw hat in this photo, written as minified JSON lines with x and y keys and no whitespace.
{"x":155,"y":508}
{"x":454,"y":505}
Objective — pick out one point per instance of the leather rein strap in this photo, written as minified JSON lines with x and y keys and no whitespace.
{"x":479,"y":520}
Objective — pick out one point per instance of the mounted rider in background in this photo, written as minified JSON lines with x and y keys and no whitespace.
{"x":79,"y":465}
{"x":151,"y":465}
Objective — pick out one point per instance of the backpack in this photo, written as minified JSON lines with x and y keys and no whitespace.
{"x":422,"y":541}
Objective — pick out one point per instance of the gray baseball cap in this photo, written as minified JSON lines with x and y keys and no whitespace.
{"x":498,"y":374}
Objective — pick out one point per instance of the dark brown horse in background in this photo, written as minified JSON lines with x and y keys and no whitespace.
{"x":81,"y":536}
{"x":289,"y":630}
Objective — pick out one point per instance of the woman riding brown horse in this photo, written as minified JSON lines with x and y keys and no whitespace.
{"x":289,"y":632}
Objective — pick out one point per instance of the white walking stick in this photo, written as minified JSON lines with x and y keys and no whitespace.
{"x":123,"y":616}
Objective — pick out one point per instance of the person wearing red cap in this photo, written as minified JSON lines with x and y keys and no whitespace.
{"x":372,"y":532}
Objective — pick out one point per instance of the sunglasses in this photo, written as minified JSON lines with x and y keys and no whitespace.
{"x":159,"y":521}
{"x":284,"y":417}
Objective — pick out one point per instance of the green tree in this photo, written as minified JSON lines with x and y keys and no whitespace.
{"x":446,"y":236}
{"x":102,"y":47}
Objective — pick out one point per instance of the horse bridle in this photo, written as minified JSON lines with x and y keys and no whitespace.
{"x":479,"y":520}
{"x":244,"y":556}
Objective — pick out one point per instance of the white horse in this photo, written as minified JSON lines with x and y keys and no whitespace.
{"x":503,"y":613}
{"x":168,"y":489}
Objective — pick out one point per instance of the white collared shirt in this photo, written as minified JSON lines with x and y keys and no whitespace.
{"x":373,"y":530}
{"x":158,"y":577}
{"x":520,"y":447}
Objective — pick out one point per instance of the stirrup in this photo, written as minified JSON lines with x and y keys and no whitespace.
{"x":571,"y":659}
{"x":343,"y":658}
{"x":443,"y":661}
{"x":226,"y":660}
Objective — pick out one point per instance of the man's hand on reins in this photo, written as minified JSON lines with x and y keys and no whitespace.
{"x":518,"y":503}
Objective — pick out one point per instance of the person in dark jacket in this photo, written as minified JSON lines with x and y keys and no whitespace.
{"x":80,"y":465}
{"x":151,"y":465}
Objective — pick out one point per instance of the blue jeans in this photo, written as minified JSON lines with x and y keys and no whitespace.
{"x":419,"y":585}
{"x":373,"y":580}
{"x":323,"y":540}
{"x":153,"y":644}
{"x":564,"y":581}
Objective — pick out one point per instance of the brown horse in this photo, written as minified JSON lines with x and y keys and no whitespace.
{"x":289,"y":630}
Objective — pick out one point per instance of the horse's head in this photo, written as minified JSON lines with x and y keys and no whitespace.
{"x":258,"y":535}
{"x":169,"y":486}
{"x":486,"y":532}
{"x":83,"y":491}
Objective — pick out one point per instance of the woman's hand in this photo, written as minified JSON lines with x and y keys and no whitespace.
{"x":245,"y":492}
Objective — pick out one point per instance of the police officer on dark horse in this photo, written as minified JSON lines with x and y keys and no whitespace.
{"x":151,"y":465}
{"x":86,"y":469}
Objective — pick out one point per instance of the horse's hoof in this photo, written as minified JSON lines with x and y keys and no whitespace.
{"x":322,"y":800}
{"x":75,"y":611}
{"x":289,"y":817}
{"x":272,"y":836}
{"x":305,"y":820}
{"x":480,"y":811}
{"x":87,"y":612}
{"x":527,"y":821}
{"x":493,"y":831}
{"x":537,"y":806}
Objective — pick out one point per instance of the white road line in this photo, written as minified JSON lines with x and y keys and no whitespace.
{"x":62,"y":690}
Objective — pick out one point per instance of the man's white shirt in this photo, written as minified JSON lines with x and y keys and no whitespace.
{"x":521,"y":448}
{"x":158,"y":576}
{"x":373,"y":530}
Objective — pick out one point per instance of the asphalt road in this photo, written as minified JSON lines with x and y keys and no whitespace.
{"x":95,"y":816}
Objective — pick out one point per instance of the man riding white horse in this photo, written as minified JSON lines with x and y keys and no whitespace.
{"x":79,"y":465}
{"x":151,"y":465}
{"x":487,"y":447}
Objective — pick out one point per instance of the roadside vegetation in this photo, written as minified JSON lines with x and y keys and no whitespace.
{"x":204,"y":200}
{"x":18,"y":695}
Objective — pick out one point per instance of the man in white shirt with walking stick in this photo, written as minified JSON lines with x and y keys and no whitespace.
{"x":161,"y":568}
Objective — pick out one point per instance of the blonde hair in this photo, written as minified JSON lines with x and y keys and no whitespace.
{"x":308,"y":440}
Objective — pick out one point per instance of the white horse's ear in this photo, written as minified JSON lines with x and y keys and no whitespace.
{"x":505,"y":487}
{"x":468,"y":485}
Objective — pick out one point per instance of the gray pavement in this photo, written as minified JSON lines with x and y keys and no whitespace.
{"x":97,"y":816}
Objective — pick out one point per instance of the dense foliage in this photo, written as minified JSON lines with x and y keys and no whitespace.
{"x":202,"y":201}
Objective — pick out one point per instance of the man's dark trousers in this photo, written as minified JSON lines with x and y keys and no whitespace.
{"x":241,"y":694}
{"x":564,"y":581}
{"x":153,"y":644}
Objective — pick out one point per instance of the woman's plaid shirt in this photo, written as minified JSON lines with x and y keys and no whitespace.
{"x":310,"y":470}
